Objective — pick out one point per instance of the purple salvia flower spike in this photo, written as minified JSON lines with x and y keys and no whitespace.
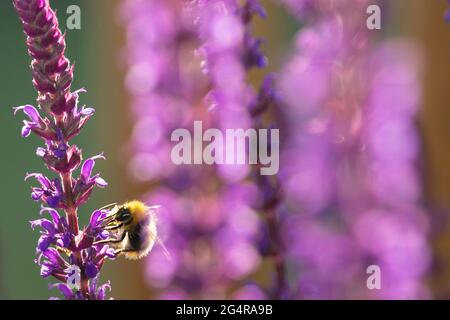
{"x":52,"y":78}
{"x":353,"y":122}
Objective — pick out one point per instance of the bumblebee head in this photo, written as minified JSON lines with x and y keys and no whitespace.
{"x":124,"y":215}
{"x":132,"y":210}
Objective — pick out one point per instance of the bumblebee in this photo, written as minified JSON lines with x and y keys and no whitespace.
{"x":132,"y":229}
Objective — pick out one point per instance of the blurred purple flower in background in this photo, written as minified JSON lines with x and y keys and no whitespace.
{"x":447,"y":14}
{"x":350,"y":177}
{"x":350,"y":169}
{"x":208,"y":218}
{"x":58,"y":119}
{"x":228,"y":50}
{"x":161,"y":79}
{"x":348,"y":194}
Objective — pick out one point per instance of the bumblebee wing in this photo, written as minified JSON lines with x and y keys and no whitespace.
{"x":153,"y":209}
{"x":163,"y":247}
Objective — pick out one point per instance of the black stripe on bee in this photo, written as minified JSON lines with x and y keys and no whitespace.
{"x":135,"y":237}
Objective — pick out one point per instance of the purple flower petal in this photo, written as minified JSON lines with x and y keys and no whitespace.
{"x":104,"y":234}
{"x":41,"y":152}
{"x":91,"y":270}
{"x":53,"y":213}
{"x":46,"y":271}
{"x":95,"y":218}
{"x":53,"y":256}
{"x":36,"y":223}
{"x":100,"y":182}
{"x":44,"y":242}
{"x":103,"y":250}
{"x":60,"y":243}
{"x":111,"y":253}
{"x":58,"y":186}
{"x":88,"y":165}
{"x":53,"y":202}
{"x":93,"y":287}
{"x":87,"y":111}
{"x":86,"y":169}
{"x":64,"y":289}
{"x":44,"y":181}
{"x":64,"y":240}
{"x":81,"y":90}
{"x":79,"y":295}
{"x":101,"y":294}
{"x":26,"y":130}
{"x":48,"y":225}
{"x":106,"y":251}
{"x":43,"y":223}
{"x":37,"y":194}
{"x":30,"y":111}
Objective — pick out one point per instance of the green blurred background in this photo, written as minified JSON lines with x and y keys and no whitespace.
{"x":95,"y":51}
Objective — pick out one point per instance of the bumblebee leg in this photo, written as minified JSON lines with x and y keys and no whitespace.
{"x":109,"y":219}
{"x":112,"y":240}
{"x":63,"y":250}
{"x":113,"y":227}
{"x":106,"y":241}
{"x":119,"y":251}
